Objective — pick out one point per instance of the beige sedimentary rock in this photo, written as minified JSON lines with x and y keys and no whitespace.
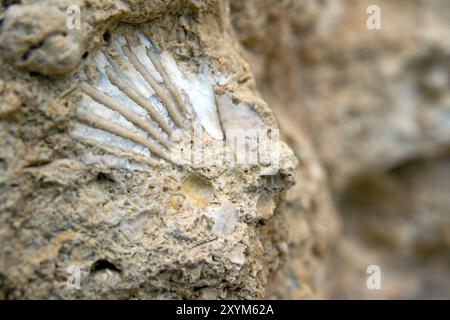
{"x":91,"y":203}
{"x":35,"y":37}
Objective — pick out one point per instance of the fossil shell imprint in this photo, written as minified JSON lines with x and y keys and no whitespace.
{"x":140,"y":102}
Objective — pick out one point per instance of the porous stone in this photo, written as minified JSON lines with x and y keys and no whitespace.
{"x":35,"y":37}
{"x":80,"y":221}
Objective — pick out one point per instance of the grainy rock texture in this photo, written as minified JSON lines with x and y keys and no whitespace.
{"x":376,"y":104}
{"x":74,"y":227}
{"x":35,"y":37}
{"x":310,"y":222}
{"x":365,"y":115}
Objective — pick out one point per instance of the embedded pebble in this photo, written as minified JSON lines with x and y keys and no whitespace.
{"x":197,"y":190}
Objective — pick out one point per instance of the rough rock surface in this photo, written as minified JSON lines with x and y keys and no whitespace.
{"x":365,"y":114}
{"x":69,"y":229}
{"x":310,"y":222}
{"x":35,"y":37}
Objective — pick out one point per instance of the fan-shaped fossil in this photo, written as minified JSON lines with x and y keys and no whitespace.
{"x":138,"y":102}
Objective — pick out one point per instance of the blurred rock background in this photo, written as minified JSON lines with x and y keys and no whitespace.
{"x":376,"y":106}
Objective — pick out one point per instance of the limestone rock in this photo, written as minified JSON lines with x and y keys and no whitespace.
{"x":84,"y":211}
{"x":35,"y":37}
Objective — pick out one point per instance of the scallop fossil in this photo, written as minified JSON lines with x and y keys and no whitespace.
{"x":137,"y":103}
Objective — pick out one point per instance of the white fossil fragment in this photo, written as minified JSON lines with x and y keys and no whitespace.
{"x":237,"y":116}
{"x":225,"y":217}
{"x":199,"y":90}
{"x":237,"y":255}
{"x":140,"y":100}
